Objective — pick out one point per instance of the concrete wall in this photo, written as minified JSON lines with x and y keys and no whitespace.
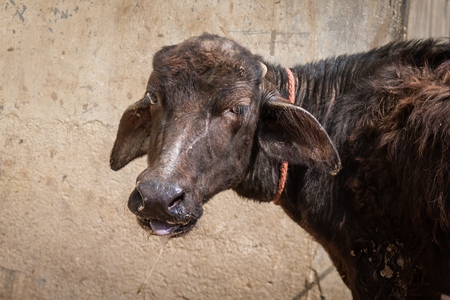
{"x":430,"y":18}
{"x":68,"y":69}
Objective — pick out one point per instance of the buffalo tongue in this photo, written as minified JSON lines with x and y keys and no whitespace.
{"x":163,"y":228}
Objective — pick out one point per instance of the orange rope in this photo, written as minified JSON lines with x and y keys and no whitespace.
{"x":284,"y":165}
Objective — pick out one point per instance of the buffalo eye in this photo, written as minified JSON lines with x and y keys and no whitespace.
{"x":239,"y":110}
{"x":151,"y":97}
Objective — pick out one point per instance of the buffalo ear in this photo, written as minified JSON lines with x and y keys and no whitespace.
{"x":132,"y":139}
{"x":290,"y":133}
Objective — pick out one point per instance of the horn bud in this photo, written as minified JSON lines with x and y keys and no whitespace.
{"x":264,"y":70}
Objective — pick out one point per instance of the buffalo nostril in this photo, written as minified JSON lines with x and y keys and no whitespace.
{"x":135,"y":201}
{"x":141,"y":206}
{"x":176,"y":201}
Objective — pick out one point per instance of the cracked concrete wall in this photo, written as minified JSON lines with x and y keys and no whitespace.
{"x":68,"y":70}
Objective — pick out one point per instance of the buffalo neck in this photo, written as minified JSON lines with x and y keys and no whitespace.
{"x":318,"y":84}
{"x":318,"y":88}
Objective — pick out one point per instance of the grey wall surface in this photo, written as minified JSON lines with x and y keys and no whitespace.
{"x":429,"y":18}
{"x":68,"y":69}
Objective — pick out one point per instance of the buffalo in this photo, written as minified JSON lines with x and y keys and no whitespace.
{"x":354,"y":148}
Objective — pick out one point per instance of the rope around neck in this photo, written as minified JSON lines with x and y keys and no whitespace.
{"x":284,"y":165}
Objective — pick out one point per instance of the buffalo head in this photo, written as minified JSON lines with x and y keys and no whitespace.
{"x":209,"y":121}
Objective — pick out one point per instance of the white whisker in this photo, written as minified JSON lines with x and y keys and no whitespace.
{"x":164,"y":240}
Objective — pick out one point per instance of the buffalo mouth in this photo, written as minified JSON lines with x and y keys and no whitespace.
{"x":166,"y":228}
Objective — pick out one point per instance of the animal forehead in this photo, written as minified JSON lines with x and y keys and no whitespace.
{"x":211,"y":44}
{"x":218,"y":44}
{"x":206,"y":53}
{"x":207,"y":98}
{"x":205,"y":68}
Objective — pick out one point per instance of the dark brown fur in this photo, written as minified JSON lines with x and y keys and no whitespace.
{"x":218,"y":123}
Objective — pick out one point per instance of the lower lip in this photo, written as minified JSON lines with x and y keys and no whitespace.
{"x":179,"y":231}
